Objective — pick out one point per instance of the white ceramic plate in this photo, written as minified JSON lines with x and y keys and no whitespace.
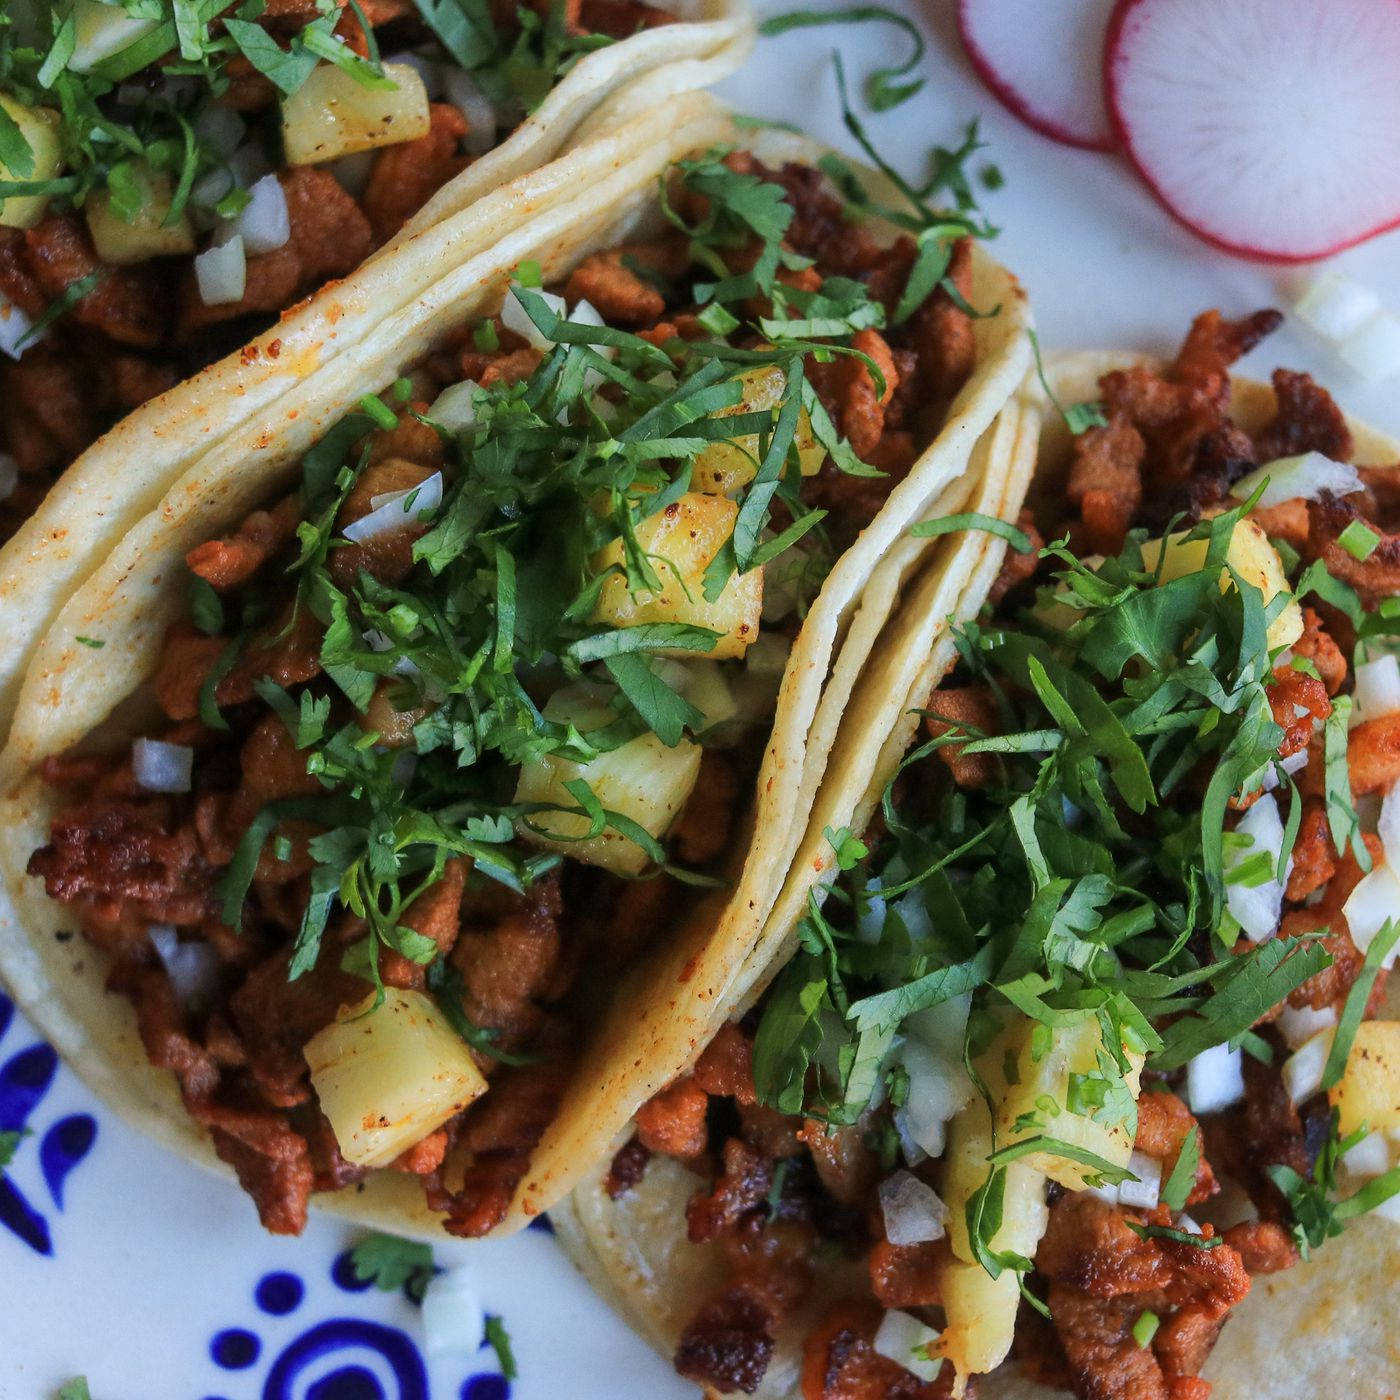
{"x":152,"y":1279}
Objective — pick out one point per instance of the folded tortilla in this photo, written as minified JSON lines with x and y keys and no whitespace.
{"x":561,"y":148}
{"x":667,"y":1008}
{"x":1323,"y":1327}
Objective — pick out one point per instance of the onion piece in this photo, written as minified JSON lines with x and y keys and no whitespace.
{"x":161,"y":767}
{"x":908,"y":1343}
{"x":514,"y":318}
{"x":454,"y":408}
{"x":1377,"y":690}
{"x":913,"y":1211}
{"x":1214,"y":1079}
{"x":1302,"y":1070}
{"x":222,"y":273}
{"x":193,"y":967}
{"x":466,"y":95}
{"x":264,"y":223}
{"x":1336,"y":307}
{"x":938,"y":1087}
{"x":14,"y":326}
{"x":1370,"y":906}
{"x":1144,"y":1192}
{"x":1388,"y":826}
{"x":1373,"y":350}
{"x":1298,"y":1024}
{"x":1298,"y":478}
{"x":454,"y":1320}
{"x":1257,"y":907}
{"x":397,"y":509}
{"x":1370,"y":1156}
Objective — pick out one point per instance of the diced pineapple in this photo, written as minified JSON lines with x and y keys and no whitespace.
{"x":1369,"y":1091}
{"x":99,"y":31}
{"x":981,"y":1310}
{"x":332,"y":115}
{"x":387,"y":1078}
{"x":642,"y":779}
{"x":147,"y":235}
{"x":723,"y":467}
{"x":39,"y":126}
{"x":1026,"y":1107}
{"x":680,"y":542}
{"x":1250,"y":555}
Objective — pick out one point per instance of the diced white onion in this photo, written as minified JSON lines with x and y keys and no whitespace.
{"x":1373,"y":350}
{"x":1298,"y":1024}
{"x":938,"y":1088}
{"x":912,"y":1210}
{"x":430,"y":72}
{"x":9,"y":476}
{"x":352,"y":172}
{"x":264,"y":223}
{"x":1370,"y":1156}
{"x":453,"y":1318}
{"x":222,"y":273}
{"x":1336,"y":307}
{"x":397,"y":509}
{"x":465,"y":94}
{"x":1374,"y":901}
{"x":1143,"y":1192}
{"x":220,"y":129}
{"x":900,"y":1333}
{"x":514,"y":318}
{"x":14,"y":326}
{"x":1215,"y":1079}
{"x":1389,"y":1208}
{"x":1292,"y":478}
{"x":1377,"y":689}
{"x":193,"y":966}
{"x":454,"y":409}
{"x":914,"y":1152}
{"x":161,"y":767}
{"x":1294,"y":763}
{"x":1257,"y":907}
{"x":942,"y":1027}
{"x":1388,"y":826}
{"x":1302,"y":1070}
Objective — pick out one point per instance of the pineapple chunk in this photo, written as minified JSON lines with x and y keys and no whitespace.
{"x":641,"y":779}
{"x":980,"y":1309}
{"x":1073,"y":1050}
{"x":1369,"y":1091}
{"x":1251,"y":556}
{"x":332,"y":115}
{"x":723,"y":467}
{"x":38,"y":126}
{"x":146,"y":236}
{"x":681,"y":540}
{"x":99,"y":31}
{"x":387,"y":1078}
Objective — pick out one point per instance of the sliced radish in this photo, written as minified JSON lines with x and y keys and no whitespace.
{"x":1269,"y":127}
{"x":1042,"y":62}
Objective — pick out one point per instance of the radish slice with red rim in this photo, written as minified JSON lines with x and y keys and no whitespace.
{"x":1042,"y":60}
{"x":1269,"y":127}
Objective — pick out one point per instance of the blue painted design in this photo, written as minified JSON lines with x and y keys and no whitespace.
{"x":542,"y":1223}
{"x":63,"y":1147}
{"x":279,"y":1294}
{"x":486,"y":1387}
{"x":235,"y":1349}
{"x":25,"y":1078}
{"x":339,"y":1358}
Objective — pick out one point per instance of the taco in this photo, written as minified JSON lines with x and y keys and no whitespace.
{"x":1086,"y":1056}
{"x":176,"y":202}
{"x":423,"y":781}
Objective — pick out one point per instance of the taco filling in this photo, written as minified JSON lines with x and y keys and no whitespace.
{"x":1088,"y":1033}
{"x":451,"y":735}
{"x":171,"y":179}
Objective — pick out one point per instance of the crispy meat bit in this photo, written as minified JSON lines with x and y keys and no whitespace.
{"x":906,"y":1275}
{"x":1374,"y":578}
{"x":1327,"y":987}
{"x":410,"y":441}
{"x":185,"y":662}
{"x":728,"y":1344}
{"x":725,"y":1069}
{"x":943,"y":334}
{"x":673,"y":1122}
{"x":1317,"y":646}
{"x":1105,"y":482}
{"x":619,"y":19}
{"x":1018,"y":566}
{"x":839,"y":1361}
{"x":1373,"y":754}
{"x":621,"y":295}
{"x":1314,"y":858}
{"x":744,"y":1184}
{"x":436,"y":914}
{"x":1265,"y":1246}
{"x":969,"y":708}
{"x":406,"y":175}
{"x":1297,"y":700}
{"x":627,"y":1169}
{"x":1164,"y":1123}
{"x":1308,"y":420}
{"x":702,"y":833}
{"x":226,"y":563}
{"x":274,"y":1169}
{"x":846,"y":1167}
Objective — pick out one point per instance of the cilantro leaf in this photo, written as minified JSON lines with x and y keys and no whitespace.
{"x":389,"y":1262}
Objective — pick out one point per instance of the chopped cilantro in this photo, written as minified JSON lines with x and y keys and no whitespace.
{"x":1182,"y":1181}
{"x":992,"y":177}
{"x":389,"y":1262}
{"x":1359,"y":540}
{"x":76,"y":1389}
{"x":498,"y":1338}
{"x":9,"y":1141}
{"x":1145,"y":1328}
{"x":885,"y":87}
{"x":95,"y":643}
